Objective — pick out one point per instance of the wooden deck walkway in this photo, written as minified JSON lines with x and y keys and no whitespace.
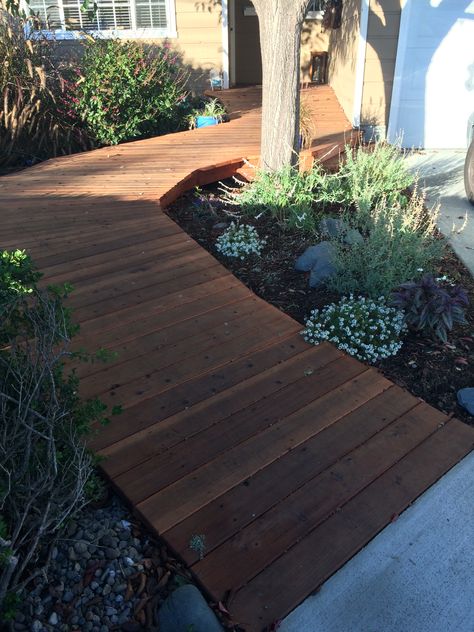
{"x":286,"y":458}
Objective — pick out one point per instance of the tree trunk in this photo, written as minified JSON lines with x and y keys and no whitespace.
{"x":280,"y":38}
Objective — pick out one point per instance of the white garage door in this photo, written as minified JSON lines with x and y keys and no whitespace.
{"x":433,"y":93}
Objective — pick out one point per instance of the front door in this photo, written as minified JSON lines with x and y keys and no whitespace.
{"x":246,"y":66}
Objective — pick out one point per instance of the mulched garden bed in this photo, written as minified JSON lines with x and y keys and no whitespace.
{"x":429,"y":369}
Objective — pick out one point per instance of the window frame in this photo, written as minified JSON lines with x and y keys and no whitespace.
{"x":170,"y":32}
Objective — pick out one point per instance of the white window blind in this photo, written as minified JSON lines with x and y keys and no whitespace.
{"x":108,"y":16}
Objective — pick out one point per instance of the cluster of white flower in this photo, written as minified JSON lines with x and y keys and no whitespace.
{"x":240,"y":241}
{"x":364,"y":328}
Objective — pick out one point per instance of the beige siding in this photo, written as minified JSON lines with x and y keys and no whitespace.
{"x":382,"y":41}
{"x":343,"y":47}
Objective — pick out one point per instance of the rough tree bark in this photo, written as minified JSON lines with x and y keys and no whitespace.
{"x":280,"y":37}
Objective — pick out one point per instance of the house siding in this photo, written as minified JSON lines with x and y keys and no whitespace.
{"x":343,"y":48}
{"x":381,"y":53}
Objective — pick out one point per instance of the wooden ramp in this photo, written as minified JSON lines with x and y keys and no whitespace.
{"x":285,"y":459}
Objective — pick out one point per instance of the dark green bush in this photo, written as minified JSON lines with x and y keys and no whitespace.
{"x":45,"y":467}
{"x":124,"y":91}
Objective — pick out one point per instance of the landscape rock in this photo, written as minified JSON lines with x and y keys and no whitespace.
{"x":332,"y":227}
{"x":186,"y":609}
{"x":321,"y":271}
{"x":78,"y":594}
{"x":318,"y":260}
{"x":352,"y":237}
{"x":324,"y":251}
{"x":466,"y":399}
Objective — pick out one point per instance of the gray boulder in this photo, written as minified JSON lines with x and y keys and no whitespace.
{"x":321,"y":271}
{"x":466,"y":399}
{"x":313,"y":255}
{"x":352,"y":237}
{"x":332,"y":227}
{"x":318,"y":260}
{"x":186,"y":609}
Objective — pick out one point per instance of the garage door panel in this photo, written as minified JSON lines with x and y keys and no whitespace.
{"x":434,"y":87}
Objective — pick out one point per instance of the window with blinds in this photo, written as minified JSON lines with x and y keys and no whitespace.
{"x":107,"y":15}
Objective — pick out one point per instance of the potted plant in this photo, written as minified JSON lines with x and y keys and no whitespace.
{"x":212,"y":113}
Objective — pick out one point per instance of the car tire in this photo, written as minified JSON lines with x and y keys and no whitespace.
{"x":469,"y":173}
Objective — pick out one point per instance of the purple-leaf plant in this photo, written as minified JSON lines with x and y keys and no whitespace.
{"x":431,"y":308}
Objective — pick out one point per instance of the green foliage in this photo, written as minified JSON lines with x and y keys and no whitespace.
{"x":366,"y":329}
{"x":17,"y":274}
{"x":286,"y":195}
{"x":431,"y":308}
{"x":33,"y":125}
{"x":43,"y":424}
{"x":124,"y":91}
{"x":366,"y":176}
{"x":399,"y":244}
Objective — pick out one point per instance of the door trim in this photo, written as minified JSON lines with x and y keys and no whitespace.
{"x":225,"y":42}
{"x":394,"y":114}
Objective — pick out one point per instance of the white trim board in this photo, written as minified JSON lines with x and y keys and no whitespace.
{"x":393,"y":116}
{"x":360,"y":65}
{"x":225,"y":42}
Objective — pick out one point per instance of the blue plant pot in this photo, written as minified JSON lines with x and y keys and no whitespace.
{"x":206,"y":121}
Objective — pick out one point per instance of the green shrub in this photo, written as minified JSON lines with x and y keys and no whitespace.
{"x":45,"y":466}
{"x":33,"y":123}
{"x":286,"y":195}
{"x":124,"y":91}
{"x":366,"y":329}
{"x":399,"y":244}
{"x":369,"y":174}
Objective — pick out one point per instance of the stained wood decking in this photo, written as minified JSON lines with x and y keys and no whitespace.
{"x":286,"y":458}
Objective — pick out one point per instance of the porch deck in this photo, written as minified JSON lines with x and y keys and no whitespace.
{"x":287,"y":458}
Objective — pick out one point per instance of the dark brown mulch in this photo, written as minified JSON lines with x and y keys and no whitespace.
{"x":427,"y":368}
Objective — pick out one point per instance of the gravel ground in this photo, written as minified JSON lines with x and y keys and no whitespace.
{"x":106,"y":574}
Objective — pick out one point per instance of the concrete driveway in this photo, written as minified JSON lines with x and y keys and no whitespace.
{"x":441,"y":175}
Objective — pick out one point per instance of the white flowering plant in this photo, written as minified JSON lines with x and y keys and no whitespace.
{"x":240,"y":241}
{"x":367,"y":329}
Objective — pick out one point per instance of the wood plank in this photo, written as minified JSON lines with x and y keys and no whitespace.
{"x":182,"y":397}
{"x":300,"y":570}
{"x":236,"y":465}
{"x":228,"y":514}
{"x":165,"y":347}
{"x":232,"y":424}
{"x":129,"y":392}
{"x":292,"y":391}
{"x":241,"y":558}
{"x":162,"y":436}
